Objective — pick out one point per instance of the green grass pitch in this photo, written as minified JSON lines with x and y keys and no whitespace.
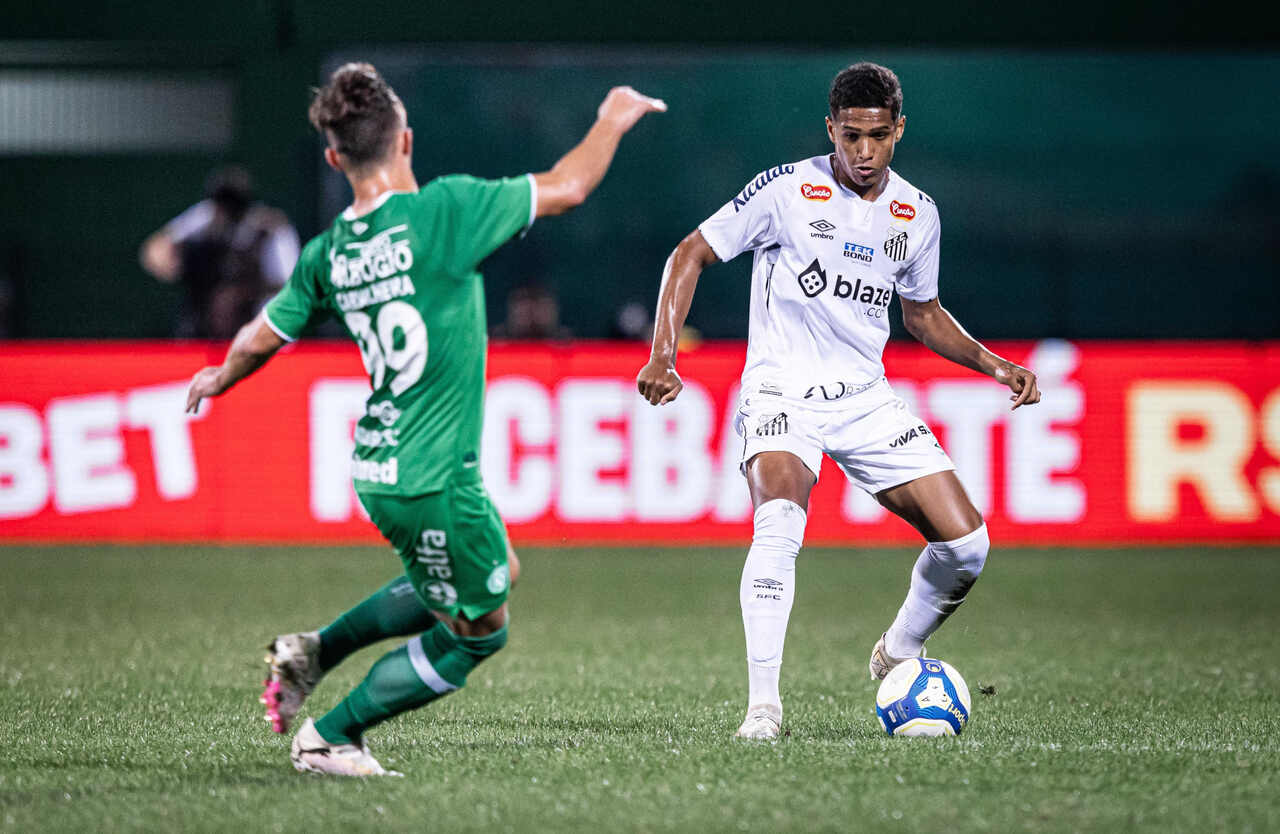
{"x":1134,"y":690}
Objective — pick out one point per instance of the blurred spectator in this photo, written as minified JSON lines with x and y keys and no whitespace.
{"x":633,"y":322}
{"x":12,"y":271}
{"x":532,"y":313}
{"x":230,"y":254}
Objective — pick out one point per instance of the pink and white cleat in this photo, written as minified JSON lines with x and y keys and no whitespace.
{"x":295,"y":671}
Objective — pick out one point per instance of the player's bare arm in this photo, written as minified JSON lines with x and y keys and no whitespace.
{"x":159,"y":256}
{"x":935,"y":328}
{"x":253,"y":346}
{"x":578,"y":172}
{"x":658,"y":381}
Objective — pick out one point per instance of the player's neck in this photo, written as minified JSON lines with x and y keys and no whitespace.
{"x":367,"y":189}
{"x":870,"y":192}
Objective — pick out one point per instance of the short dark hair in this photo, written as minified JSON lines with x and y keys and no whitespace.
{"x":866,"y":85}
{"x":357,"y":111}
{"x":231,"y":189}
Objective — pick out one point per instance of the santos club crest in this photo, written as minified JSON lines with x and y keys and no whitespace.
{"x":895,"y":244}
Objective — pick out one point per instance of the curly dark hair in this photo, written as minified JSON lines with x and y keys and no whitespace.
{"x":866,"y":85}
{"x":357,"y":111}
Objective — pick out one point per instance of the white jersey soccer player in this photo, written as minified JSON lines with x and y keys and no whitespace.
{"x":835,"y":237}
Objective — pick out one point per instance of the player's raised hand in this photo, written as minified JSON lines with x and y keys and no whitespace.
{"x":204,"y":384}
{"x":1021,"y":382}
{"x":624,"y":107}
{"x":658,"y":382}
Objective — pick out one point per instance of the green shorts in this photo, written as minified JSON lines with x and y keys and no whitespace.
{"x":452,"y":542}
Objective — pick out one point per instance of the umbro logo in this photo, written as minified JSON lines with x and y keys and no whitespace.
{"x":767,"y":583}
{"x":823,"y":229}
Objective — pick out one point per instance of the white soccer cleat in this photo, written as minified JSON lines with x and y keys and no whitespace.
{"x":312,"y":754}
{"x":295,"y":671}
{"x":882,"y":662}
{"x":763,"y":723}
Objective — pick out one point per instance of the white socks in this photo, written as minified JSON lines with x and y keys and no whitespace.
{"x":767,"y":592}
{"x":939,"y":582}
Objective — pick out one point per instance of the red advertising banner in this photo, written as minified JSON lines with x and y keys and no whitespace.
{"x":1132,"y":442}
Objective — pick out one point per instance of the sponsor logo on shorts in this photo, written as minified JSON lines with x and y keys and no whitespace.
{"x":441,"y":594}
{"x":772,"y":425}
{"x":433,"y":551}
{"x":895,"y":244}
{"x":823,"y":229}
{"x":837,"y":390}
{"x":373,"y":438}
{"x":907,"y":436}
{"x":859,"y":252}
{"x":809,"y":191}
{"x":498,"y":579}
{"x":375,"y":472}
{"x":902,"y":211}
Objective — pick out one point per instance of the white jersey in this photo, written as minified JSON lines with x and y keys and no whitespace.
{"x":827,"y":263}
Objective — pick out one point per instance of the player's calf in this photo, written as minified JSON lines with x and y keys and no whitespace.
{"x":424,"y":669}
{"x":940,"y":581}
{"x":766,"y":592}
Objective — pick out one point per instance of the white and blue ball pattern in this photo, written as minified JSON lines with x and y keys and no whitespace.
{"x":923,"y":697}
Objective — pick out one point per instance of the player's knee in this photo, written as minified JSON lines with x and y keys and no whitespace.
{"x":779,"y":525}
{"x":470,"y":652}
{"x":966,"y":556}
{"x":480,"y":648}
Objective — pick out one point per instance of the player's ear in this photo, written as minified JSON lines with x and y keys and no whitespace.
{"x":331,"y":157}
{"x":902,"y":125}
{"x":406,"y":142}
{"x":831,"y":129}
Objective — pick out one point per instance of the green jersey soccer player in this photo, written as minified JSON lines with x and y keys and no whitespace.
{"x":399,"y":269}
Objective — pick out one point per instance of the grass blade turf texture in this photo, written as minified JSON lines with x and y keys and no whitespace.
{"x":1134,"y":690}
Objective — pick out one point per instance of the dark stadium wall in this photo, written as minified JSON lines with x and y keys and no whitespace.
{"x":1084,"y":192}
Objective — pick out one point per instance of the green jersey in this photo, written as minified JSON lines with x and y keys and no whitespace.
{"x":403,"y":279}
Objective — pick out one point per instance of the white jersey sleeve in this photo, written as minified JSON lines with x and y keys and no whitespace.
{"x":919,"y":281}
{"x":750,"y":220}
{"x":191,"y":222}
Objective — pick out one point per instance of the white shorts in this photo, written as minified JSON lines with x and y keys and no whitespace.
{"x":871,"y":435}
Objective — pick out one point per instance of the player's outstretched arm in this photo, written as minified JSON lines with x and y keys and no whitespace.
{"x":938,"y":330}
{"x":658,"y":381}
{"x":579,"y":171}
{"x":253,"y":346}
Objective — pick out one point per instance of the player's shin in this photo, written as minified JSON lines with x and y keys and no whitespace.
{"x":767,"y":592}
{"x":941,"y":579}
{"x":394,"y":610}
{"x":428,"y":667}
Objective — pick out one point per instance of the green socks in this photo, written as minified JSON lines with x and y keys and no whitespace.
{"x":429,"y":666}
{"x":394,"y":610}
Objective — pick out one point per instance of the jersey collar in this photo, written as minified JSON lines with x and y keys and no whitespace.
{"x":349,"y":214}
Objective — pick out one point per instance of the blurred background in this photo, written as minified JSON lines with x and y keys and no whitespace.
{"x":1108,"y":176}
{"x":1107,"y":170}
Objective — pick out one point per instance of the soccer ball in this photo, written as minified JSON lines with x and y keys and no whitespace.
{"x":923,"y":696}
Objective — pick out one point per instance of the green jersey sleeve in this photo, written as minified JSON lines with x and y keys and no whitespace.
{"x":299,"y":302}
{"x":487,"y":213}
